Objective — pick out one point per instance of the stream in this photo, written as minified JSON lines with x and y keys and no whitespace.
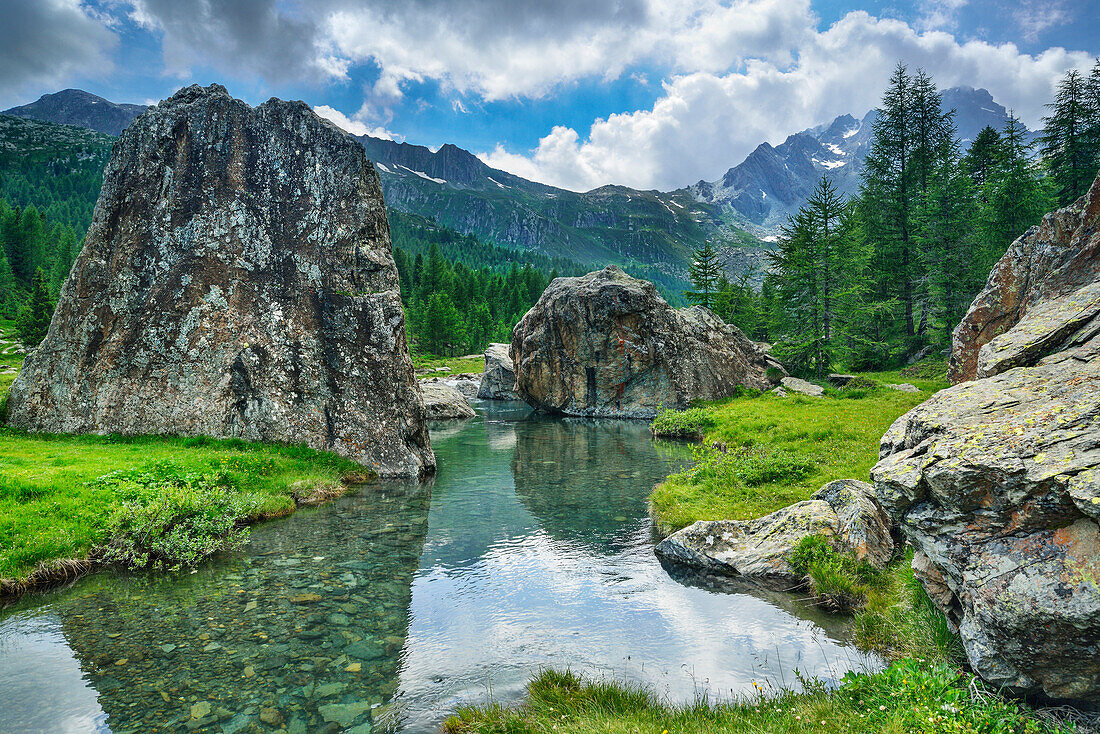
{"x":387,"y":609}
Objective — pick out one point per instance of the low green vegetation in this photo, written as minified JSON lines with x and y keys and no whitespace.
{"x":686,"y":424}
{"x":454,"y":365}
{"x":763,"y":452}
{"x":156,"y":501}
{"x":911,"y":697}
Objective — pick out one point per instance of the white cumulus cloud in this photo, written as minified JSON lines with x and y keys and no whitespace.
{"x":706,"y":121}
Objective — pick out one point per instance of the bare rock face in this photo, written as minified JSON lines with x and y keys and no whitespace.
{"x":607,"y":345}
{"x":1049,"y":263}
{"x":996,"y":481}
{"x":845,"y":512}
{"x":236,"y":281}
{"x":498,"y":382}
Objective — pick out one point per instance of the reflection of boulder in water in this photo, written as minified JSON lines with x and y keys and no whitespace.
{"x":790,"y":601}
{"x":586,"y":480}
{"x":501,"y":436}
{"x":311,"y":622}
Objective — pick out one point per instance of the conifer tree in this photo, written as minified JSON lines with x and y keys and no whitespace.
{"x":1068,"y":143}
{"x":982,"y":156}
{"x":9,"y":294}
{"x":33,"y":320}
{"x":704,"y":272}
{"x":1013,"y":196}
{"x":889,"y":196}
{"x":821,"y":271}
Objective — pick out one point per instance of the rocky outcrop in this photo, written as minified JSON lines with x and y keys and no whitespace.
{"x":236,"y":281}
{"x":802,"y":387}
{"x":498,"y":382}
{"x":443,"y":402}
{"x":996,"y":481}
{"x":1037,"y":285}
{"x":607,"y":345}
{"x":845,"y":512}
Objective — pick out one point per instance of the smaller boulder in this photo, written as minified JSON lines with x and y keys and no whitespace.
{"x":443,"y":402}
{"x":845,"y":512}
{"x":499,"y":380}
{"x":801,"y":386}
{"x":780,"y":392}
{"x":839,"y":380}
{"x":903,"y":387}
{"x":863,"y":527}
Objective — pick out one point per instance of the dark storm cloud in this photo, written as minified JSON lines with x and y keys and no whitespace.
{"x":239,"y":37}
{"x":47,"y":44}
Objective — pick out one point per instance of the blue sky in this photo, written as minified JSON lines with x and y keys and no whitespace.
{"x":647,"y":93}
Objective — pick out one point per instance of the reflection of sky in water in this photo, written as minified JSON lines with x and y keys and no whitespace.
{"x":538,"y":552}
{"x":512,"y":581}
{"x":43,"y":689}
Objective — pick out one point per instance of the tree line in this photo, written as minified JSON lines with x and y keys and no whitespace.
{"x":884,"y":277}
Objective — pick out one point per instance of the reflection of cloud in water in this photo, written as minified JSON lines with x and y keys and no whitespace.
{"x":44,"y":690}
{"x":536,"y":601}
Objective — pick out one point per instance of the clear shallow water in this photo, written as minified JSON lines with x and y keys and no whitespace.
{"x":531,"y":549}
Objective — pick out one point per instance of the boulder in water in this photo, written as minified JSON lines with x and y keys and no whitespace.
{"x":607,"y":345}
{"x":443,"y":402}
{"x":236,"y":281}
{"x":498,"y":382}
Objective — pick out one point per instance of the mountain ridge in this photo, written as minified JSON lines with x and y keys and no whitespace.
{"x":80,"y":109}
{"x":650,"y":231}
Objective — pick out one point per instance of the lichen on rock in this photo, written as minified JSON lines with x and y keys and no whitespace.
{"x":607,"y":345}
{"x":236,"y":281}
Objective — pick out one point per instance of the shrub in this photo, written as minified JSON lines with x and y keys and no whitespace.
{"x":839,"y":581}
{"x":913,"y":695}
{"x":690,"y":424}
{"x":774,"y":375}
{"x":169,"y":519}
{"x":932,"y":368}
{"x":749,"y":466}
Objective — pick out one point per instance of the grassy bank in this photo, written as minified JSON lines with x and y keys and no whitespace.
{"x":68,"y":497}
{"x":780,"y":450}
{"x":454,"y":365}
{"x":911,"y":697}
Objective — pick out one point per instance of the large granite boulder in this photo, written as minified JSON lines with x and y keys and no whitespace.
{"x":443,"y":402}
{"x":236,"y":281}
{"x":607,"y":345}
{"x":498,"y":382}
{"x":1050,"y":262}
{"x":845,"y":512}
{"x":996,"y":481}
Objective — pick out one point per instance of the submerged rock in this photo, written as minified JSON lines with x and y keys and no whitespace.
{"x":498,"y":382}
{"x":443,"y":402}
{"x":236,"y":281}
{"x":607,"y":345}
{"x":845,"y":512}
{"x":996,"y":481}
